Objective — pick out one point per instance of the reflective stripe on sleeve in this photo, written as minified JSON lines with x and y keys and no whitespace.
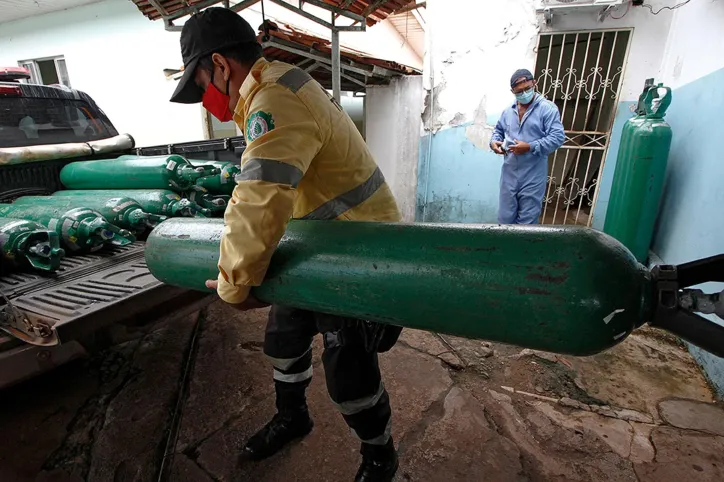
{"x":269,"y":170}
{"x":294,"y":79}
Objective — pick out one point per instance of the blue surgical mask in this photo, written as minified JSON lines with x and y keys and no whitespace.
{"x":526,"y":96}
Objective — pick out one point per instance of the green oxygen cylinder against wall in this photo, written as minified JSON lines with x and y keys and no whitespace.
{"x":79,"y":229}
{"x":27,"y":243}
{"x":562,"y":289}
{"x":134,"y":172}
{"x":216,"y":204}
{"x":222,"y":183}
{"x":123,"y":212}
{"x":639,"y":177}
{"x":162,"y":202}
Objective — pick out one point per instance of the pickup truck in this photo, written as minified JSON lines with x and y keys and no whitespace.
{"x":49,"y":319}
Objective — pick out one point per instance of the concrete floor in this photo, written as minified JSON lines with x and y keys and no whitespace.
{"x":177,"y":404}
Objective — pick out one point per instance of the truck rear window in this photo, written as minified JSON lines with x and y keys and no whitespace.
{"x":28,"y":121}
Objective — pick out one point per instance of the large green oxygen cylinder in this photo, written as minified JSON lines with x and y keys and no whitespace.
{"x":27,"y":243}
{"x":222,"y":183}
{"x":134,"y":172}
{"x":162,"y":202}
{"x":123,"y":212}
{"x":80,"y":229}
{"x":562,"y":289}
{"x":639,"y":177}
{"x":215,"y":203}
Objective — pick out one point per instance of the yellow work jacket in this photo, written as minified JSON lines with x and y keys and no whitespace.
{"x":304,"y":159}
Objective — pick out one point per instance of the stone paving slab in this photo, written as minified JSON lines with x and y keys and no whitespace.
{"x":460,"y":444}
{"x":683,"y":456}
{"x":693,"y":415}
{"x":230,"y":373}
{"x":414,"y":384}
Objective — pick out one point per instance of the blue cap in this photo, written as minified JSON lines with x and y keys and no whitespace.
{"x":518,"y":74}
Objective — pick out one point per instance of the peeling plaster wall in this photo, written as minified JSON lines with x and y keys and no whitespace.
{"x":472,"y":51}
{"x":392,"y":124}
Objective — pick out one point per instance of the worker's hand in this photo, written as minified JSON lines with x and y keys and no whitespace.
{"x":250,"y":303}
{"x":495,"y":145}
{"x":519,"y":147}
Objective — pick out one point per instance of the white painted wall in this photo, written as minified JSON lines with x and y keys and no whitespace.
{"x":695,"y":45}
{"x":472,"y":55}
{"x":355,"y":108}
{"x":647,"y":44}
{"x":117,"y":56}
{"x":392,"y":127}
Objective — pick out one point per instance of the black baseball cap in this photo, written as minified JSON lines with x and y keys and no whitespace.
{"x":520,"y":75}
{"x":204,"y":33}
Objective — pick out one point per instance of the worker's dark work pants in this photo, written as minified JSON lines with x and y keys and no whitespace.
{"x":351,"y":368}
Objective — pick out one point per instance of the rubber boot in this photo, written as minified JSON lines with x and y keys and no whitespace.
{"x":379,"y":463}
{"x":291,"y":422}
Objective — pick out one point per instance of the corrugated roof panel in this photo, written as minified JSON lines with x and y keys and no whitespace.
{"x":374,"y":10}
{"x":410,"y":29}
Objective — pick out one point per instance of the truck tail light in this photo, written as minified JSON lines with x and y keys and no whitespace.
{"x":11,"y":90}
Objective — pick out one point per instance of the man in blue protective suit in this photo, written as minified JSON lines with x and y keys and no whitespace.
{"x":526,"y":134}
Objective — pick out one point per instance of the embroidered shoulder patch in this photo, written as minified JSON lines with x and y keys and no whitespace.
{"x":259,"y":123}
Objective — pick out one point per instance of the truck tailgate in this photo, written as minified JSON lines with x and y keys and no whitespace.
{"x":88,"y":292}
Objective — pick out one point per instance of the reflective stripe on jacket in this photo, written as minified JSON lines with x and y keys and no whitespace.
{"x":305,"y":159}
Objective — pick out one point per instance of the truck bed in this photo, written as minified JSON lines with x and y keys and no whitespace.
{"x":89,"y":291}
{"x":47,"y":319}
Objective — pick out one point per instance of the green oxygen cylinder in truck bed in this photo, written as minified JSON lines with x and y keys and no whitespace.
{"x":27,"y":243}
{"x":134,"y":172}
{"x":561,"y":289}
{"x":222,"y":183}
{"x":80,"y":229}
{"x":201,"y":196}
{"x":121,"y":211}
{"x":156,"y":201}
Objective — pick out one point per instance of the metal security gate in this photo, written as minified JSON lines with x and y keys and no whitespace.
{"x":581,"y":72}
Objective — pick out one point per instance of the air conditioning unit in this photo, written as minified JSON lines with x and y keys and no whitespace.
{"x":549,"y":7}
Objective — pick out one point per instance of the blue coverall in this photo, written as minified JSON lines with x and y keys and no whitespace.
{"x":523,"y":177}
